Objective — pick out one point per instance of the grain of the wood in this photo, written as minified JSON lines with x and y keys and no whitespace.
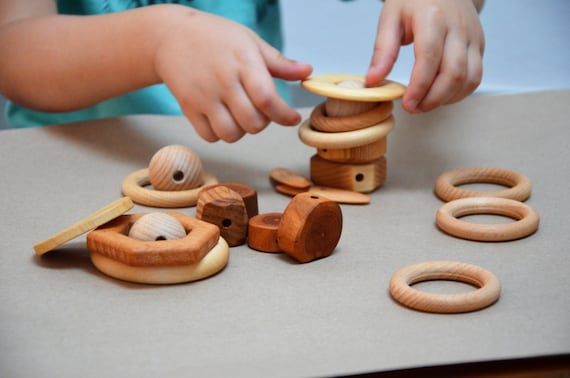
{"x":341,"y":195}
{"x":111,"y":240}
{"x":134,"y":186}
{"x":526,"y":219}
{"x":289,"y":190}
{"x":262,"y":232}
{"x":288,"y":177}
{"x":346,"y":139}
{"x":175,"y":167}
{"x":87,"y":224}
{"x":326,"y":85}
{"x":446,"y":184}
{"x":487,"y":292}
{"x":310,"y":227}
{"x":335,"y":107}
{"x":356,"y":155}
{"x":212,"y":263}
{"x":247,"y":193}
{"x":322,"y":120}
{"x":157,"y":226}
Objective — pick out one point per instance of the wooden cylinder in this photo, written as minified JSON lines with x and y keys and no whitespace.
{"x":355,"y":155}
{"x":262,"y":232}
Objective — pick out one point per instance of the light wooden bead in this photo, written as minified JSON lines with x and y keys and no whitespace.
{"x":363,"y":178}
{"x":226,"y":209}
{"x":262,"y":232}
{"x":356,"y":155}
{"x":175,"y":168}
{"x":156,"y":227}
{"x":487,"y":293}
{"x":310,"y":227}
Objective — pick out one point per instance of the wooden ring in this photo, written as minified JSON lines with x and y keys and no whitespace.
{"x":488,"y":291}
{"x":526,"y":219}
{"x":446,"y":184}
{"x":326,"y":85}
{"x":214,"y":261}
{"x":347,"y":139}
{"x":320,"y":121}
{"x":134,"y":187}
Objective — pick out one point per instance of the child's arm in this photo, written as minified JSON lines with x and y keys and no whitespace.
{"x":448,"y":47}
{"x":219,"y":71}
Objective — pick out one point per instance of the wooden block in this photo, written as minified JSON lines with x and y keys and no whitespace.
{"x":248,"y":195}
{"x":175,"y":167}
{"x":310,"y":227}
{"x":226,"y":209}
{"x":363,"y":178}
{"x":262,"y":232}
{"x":355,"y":155}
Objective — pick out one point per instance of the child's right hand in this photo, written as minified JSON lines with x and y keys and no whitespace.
{"x":221,"y":74}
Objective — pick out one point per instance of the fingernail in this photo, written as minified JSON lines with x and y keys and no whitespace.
{"x":412,"y":106}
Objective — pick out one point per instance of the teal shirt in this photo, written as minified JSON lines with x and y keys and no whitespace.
{"x":262,"y":16}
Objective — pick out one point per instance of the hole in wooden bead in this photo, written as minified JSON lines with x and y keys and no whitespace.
{"x":314,"y":197}
{"x":359,"y":177}
{"x":226,"y":223}
{"x":160,"y":237}
{"x":178,"y":176}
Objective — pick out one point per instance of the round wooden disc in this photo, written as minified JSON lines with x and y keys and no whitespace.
{"x":262,"y":232}
{"x":327,"y":85}
{"x":289,"y":178}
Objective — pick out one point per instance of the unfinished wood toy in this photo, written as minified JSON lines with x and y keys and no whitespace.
{"x":526,"y":219}
{"x":247,"y":193}
{"x":446,"y":184}
{"x":200,"y":253}
{"x":262,"y":232}
{"x":157,"y":226}
{"x":487,"y":292}
{"x":351,"y":126}
{"x":225,"y":209}
{"x":289,"y":178}
{"x":176,"y":175}
{"x":93,"y":221}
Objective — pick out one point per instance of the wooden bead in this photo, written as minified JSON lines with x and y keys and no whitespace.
{"x":488,"y":285}
{"x":284,"y":176}
{"x":310,"y":227}
{"x":341,"y":195}
{"x":175,"y":167}
{"x":226,"y":209}
{"x":326,"y":85}
{"x":526,"y":219}
{"x":262,"y":232}
{"x":111,"y":240}
{"x":356,"y":155}
{"x":248,"y":195}
{"x":323,"y":121}
{"x":446,"y":184}
{"x":363,"y":178}
{"x":156,"y":227}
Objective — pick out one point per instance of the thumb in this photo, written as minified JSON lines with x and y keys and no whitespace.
{"x":386,"y":49}
{"x":282,"y":67}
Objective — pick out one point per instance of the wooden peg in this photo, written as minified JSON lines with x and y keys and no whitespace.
{"x":157,"y":226}
{"x":262,"y":232}
{"x":363,"y":178}
{"x":226,"y":209}
{"x":356,"y":155}
{"x":310,"y":227}
{"x":174,"y":168}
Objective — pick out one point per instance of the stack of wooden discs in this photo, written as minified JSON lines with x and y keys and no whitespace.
{"x":349,"y":131}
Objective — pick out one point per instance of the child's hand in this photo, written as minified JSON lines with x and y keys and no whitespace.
{"x":448,"y":47}
{"x":221,"y":74}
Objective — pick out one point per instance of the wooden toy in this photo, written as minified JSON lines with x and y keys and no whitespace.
{"x":341,"y":195}
{"x":199,"y":254}
{"x":327,"y":85}
{"x":488,"y":291}
{"x":135,"y":184}
{"x":446,"y":184}
{"x":363,"y":178}
{"x":175,"y":167}
{"x":262,"y":232}
{"x":324,"y":121}
{"x":310,"y":227}
{"x":360,"y":154}
{"x":93,"y":221}
{"x":247,"y":193}
{"x":289,"y":178}
{"x":157,"y":226}
{"x":526,"y":219}
{"x":289,"y":190}
{"x":226,"y":209}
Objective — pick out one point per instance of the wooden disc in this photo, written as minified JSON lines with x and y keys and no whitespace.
{"x":262,"y":232}
{"x":322,"y":121}
{"x":327,"y":85}
{"x":289,"y":190}
{"x":288,"y":177}
{"x":93,"y":221}
{"x":341,"y":195}
{"x":310,"y":227}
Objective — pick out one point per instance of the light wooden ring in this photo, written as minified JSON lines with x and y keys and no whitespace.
{"x":326,"y":85}
{"x":134,"y":187}
{"x":488,"y":291}
{"x":216,"y":259}
{"x":526,"y":219}
{"x":347,"y":139}
{"x":446,"y":184}
{"x":320,"y":121}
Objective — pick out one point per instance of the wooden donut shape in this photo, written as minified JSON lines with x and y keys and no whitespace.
{"x":321,"y":121}
{"x":134,"y":186}
{"x":526,"y":219}
{"x":327,"y":85}
{"x":446,"y":184}
{"x":347,"y":139}
{"x":111,"y":240}
{"x":487,"y":292}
